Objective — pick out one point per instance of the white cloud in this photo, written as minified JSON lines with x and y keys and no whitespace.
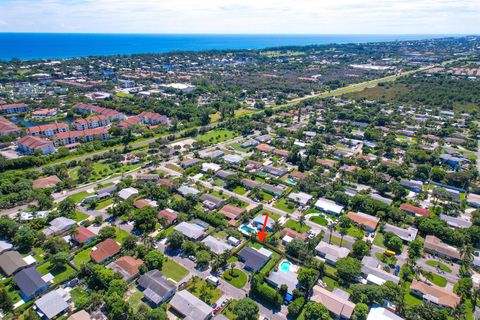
{"x":246,"y":16}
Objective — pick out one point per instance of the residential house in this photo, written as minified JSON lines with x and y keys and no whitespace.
{"x":456,"y":222}
{"x":232,"y":159}
{"x":211,"y":202}
{"x":376,"y":196}
{"x":210,"y":167}
{"x":413,"y":185}
{"x":190,"y":230}
{"x":127,"y":266}
{"x":14,"y":108}
{"x":224,"y":174}
{"x":48,"y":130}
{"x":109,"y":113}
{"x":126,"y":193}
{"x":326,"y":163}
{"x":253,"y":260}
{"x":440,"y":297}
{"x":300,"y":198}
{"x":104,"y":250}
{"x":276,"y":191}
{"x":8,"y":128}
{"x":379,"y":313}
{"x":336,"y":302}
{"x":287,"y":235}
{"x":249,"y":143}
{"x":91,"y":122}
{"x":330,"y":252}
{"x":259,"y":220}
{"x":46,"y":182}
{"x":217,"y":246}
{"x":30,"y":283}
{"x":406,"y":235}
{"x":264,"y":138}
{"x":232,"y":213}
{"x":435,"y":246}
{"x":53,"y":303}
{"x":189,"y":163}
{"x":142,"y":203}
{"x":153,"y":177}
{"x":250,"y":184}
{"x":5,"y":246}
{"x":156,"y":288}
{"x":274,"y":171}
{"x":186,"y":190}
{"x":278,"y":278}
{"x":329,"y":206}
{"x":11,"y":262}
{"x":59,"y":225}
{"x":152,"y":118}
{"x":82,"y":235}
{"x":264,"y":148}
{"x":80,"y":315}
{"x":473,"y":200}
{"x":169,"y":214}
{"x":367,"y":221}
{"x":71,"y":137}
{"x":31,"y":145}
{"x":190,"y":307}
{"x":374,"y":272}
{"x":415,"y":211}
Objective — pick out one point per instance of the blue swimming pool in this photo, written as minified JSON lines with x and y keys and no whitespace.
{"x":285,"y":266}
{"x":248,"y":229}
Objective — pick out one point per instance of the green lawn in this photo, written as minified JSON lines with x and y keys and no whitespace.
{"x":80,"y":216}
{"x":436,"y":279}
{"x":437,"y":264}
{"x":203,"y":290}
{"x":59,"y":275}
{"x":319,"y":220}
{"x":78,"y":197}
{"x":265,"y":196}
{"x":173,"y":270}
{"x":124,"y":95}
{"x":81,"y":258}
{"x":330,"y":282}
{"x":285,"y":205}
{"x":238,"y":147}
{"x":218,"y":182}
{"x":378,"y":241}
{"x":174,"y":167}
{"x":295,"y":225}
{"x":271,"y":263}
{"x":39,"y":254}
{"x":338,"y":241}
{"x":355,"y":232}
{"x":120,"y":235}
{"x":135,"y":301}
{"x":240,"y":190}
{"x":216,"y":136}
{"x":221,"y":234}
{"x":103,"y":204}
{"x":238,"y":279}
{"x":13,"y":293}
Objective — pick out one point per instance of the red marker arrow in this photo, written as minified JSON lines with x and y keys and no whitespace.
{"x":262,"y":234}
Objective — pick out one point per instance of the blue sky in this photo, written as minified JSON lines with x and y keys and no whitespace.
{"x":245,"y":16}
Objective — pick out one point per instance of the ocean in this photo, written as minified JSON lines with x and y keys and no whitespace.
{"x":26,"y":46}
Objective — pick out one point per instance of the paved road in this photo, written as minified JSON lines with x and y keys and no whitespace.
{"x":228,"y":290}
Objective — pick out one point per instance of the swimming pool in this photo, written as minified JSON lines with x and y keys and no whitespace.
{"x":285,"y":266}
{"x":248,"y":229}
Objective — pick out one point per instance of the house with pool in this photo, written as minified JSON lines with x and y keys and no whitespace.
{"x":285,"y":274}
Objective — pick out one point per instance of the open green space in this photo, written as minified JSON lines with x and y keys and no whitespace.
{"x":319,"y":220}
{"x":135,"y":301}
{"x":78,"y":197}
{"x":206,"y":292}
{"x":435,"y":279}
{"x":216,"y":136}
{"x":285,"y":205}
{"x":103,"y":204}
{"x":378,"y":240}
{"x":60,"y":275}
{"x":80,"y":216}
{"x":79,"y":297}
{"x":295,"y":225}
{"x":237,"y":278}
{"x":81,"y":258}
{"x":173,"y":270}
{"x":240,"y":190}
{"x":120,"y":235}
{"x":437,"y":264}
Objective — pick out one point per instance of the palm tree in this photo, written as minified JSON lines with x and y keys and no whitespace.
{"x":330,"y":227}
{"x":343,"y":232}
{"x":276,"y":226}
{"x":301,"y":220}
{"x":148,"y":241}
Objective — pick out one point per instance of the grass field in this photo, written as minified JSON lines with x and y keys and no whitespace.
{"x":440,"y":265}
{"x":240,"y":190}
{"x":80,"y":216}
{"x":135,"y":301}
{"x":319,"y":220}
{"x":436,"y":279}
{"x":81,"y":258}
{"x":295,"y":225}
{"x":59,"y":275}
{"x":216,"y":136}
{"x":79,"y":297}
{"x":120,"y":235}
{"x":378,"y":241}
{"x":285,"y":205}
{"x":103,"y":204}
{"x":78,"y":197}
{"x":173,"y":270}
{"x":203,"y":290}
{"x":238,"y":280}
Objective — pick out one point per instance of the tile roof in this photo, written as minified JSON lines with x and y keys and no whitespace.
{"x":435,"y":294}
{"x":34,"y":142}
{"x":82,"y":234}
{"x":364,"y":219}
{"x":104,"y":250}
{"x":335,"y":304}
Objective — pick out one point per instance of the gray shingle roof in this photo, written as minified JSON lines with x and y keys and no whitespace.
{"x":29,"y":281}
{"x":155,"y":285}
{"x":190,"y":306}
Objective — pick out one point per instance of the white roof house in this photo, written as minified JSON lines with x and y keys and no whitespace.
{"x":300,"y":197}
{"x":330,"y":252}
{"x":217,"y":246}
{"x":126,"y":193}
{"x":190,"y":306}
{"x":186,"y":190}
{"x":190,"y":230}
{"x":53,"y":303}
{"x":210,"y":166}
{"x":329,"y":206}
{"x":408,"y":234}
{"x":378,"y":313}
{"x":233,"y":158}
{"x":59,"y":225}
